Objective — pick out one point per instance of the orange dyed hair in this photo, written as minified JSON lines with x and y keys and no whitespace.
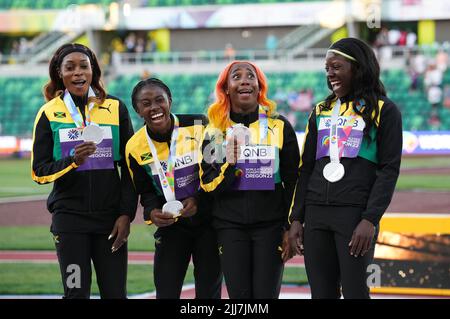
{"x":219,"y":110}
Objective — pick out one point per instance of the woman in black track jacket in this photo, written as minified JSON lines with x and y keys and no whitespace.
{"x":252,"y":194}
{"x":79,"y":140}
{"x":348,"y":170}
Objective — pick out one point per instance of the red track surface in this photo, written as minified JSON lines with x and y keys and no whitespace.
{"x":133,"y":257}
{"x":35,"y":212}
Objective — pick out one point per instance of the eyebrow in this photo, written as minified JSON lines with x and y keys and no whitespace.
{"x":149,"y":99}
{"x":71,"y":61}
{"x":246,"y":68}
{"x":333,"y":60}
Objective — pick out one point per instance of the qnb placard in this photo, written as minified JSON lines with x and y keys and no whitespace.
{"x":257,"y":152}
{"x":255,"y":168}
{"x":426,"y":143}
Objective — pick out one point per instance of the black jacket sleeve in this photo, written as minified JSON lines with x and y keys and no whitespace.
{"x":289,"y":160}
{"x":306,"y":166}
{"x":128,"y":201}
{"x":44,"y":168}
{"x":144,"y":186}
{"x":389,"y":145}
{"x":216,"y":175}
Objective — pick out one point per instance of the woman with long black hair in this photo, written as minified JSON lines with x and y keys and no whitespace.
{"x":348,"y":170}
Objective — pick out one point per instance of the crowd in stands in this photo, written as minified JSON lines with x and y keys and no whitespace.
{"x":14,"y":47}
{"x":426,"y":74}
{"x":386,"y":39}
{"x":294,"y":101}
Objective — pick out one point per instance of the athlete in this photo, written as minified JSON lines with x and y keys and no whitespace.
{"x":79,"y":140}
{"x":249,"y":164}
{"x":162,"y":158}
{"x":348,"y":170}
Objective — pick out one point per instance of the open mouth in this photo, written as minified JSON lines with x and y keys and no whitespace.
{"x":79,"y":83}
{"x":335,"y":85}
{"x":157,"y":117}
{"x":245,"y":92}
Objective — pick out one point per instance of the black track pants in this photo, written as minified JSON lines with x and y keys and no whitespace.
{"x":251,"y":261}
{"x":174,"y":247}
{"x":76,"y":251}
{"x":329,"y":265}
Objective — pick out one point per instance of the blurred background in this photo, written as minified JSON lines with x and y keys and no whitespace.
{"x":187,"y":43}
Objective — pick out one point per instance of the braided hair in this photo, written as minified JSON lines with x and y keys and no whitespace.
{"x":148,"y":82}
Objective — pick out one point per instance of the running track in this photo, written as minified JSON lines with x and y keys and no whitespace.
{"x":7,"y":256}
{"x":188,"y":292}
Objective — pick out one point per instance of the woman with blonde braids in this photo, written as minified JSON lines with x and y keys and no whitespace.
{"x":250,"y":163}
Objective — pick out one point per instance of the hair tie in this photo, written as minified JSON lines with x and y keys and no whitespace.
{"x":343,"y":54}
{"x":72,"y":49}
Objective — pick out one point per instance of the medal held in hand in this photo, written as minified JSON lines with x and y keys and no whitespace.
{"x":241,"y":133}
{"x":93,"y":133}
{"x":173,"y":207}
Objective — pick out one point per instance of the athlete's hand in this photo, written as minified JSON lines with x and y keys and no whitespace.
{"x":83,"y":151}
{"x":189,"y":207}
{"x":232,"y":150}
{"x":161,"y":219}
{"x":295,"y":237}
{"x":362,"y":238}
{"x":121,"y":230}
{"x":286,"y":251}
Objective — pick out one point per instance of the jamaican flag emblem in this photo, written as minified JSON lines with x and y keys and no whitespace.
{"x":59,"y":115}
{"x":146,"y":156}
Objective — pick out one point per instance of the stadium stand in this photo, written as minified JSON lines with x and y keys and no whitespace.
{"x":193,"y":93}
{"x":61,"y":4}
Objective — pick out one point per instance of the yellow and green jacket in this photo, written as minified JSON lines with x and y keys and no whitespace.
{"x":251,"y":206}
{"x":83,"y":201}
{"x":141,"y":164}
{"x":370,"y":175}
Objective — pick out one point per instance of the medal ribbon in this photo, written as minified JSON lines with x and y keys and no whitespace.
{"x":167,"y":177}
{"x":334,"y":137}
{"x":263,"y":124}
{"x":74,"y":113}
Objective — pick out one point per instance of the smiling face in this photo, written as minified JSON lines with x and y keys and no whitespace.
{"x":153,"y":105}
{"x":243,"y":88}
{"x":76,"y":73}
{"x":339,"y":74}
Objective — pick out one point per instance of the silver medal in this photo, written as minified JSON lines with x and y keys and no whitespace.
{"x":333,"y":172}
{"x":242,"y":133}
{"x":93,"y":133}
{"x":173,"y":207}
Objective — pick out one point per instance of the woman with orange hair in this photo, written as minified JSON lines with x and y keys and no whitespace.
{"x":250,"y":163}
